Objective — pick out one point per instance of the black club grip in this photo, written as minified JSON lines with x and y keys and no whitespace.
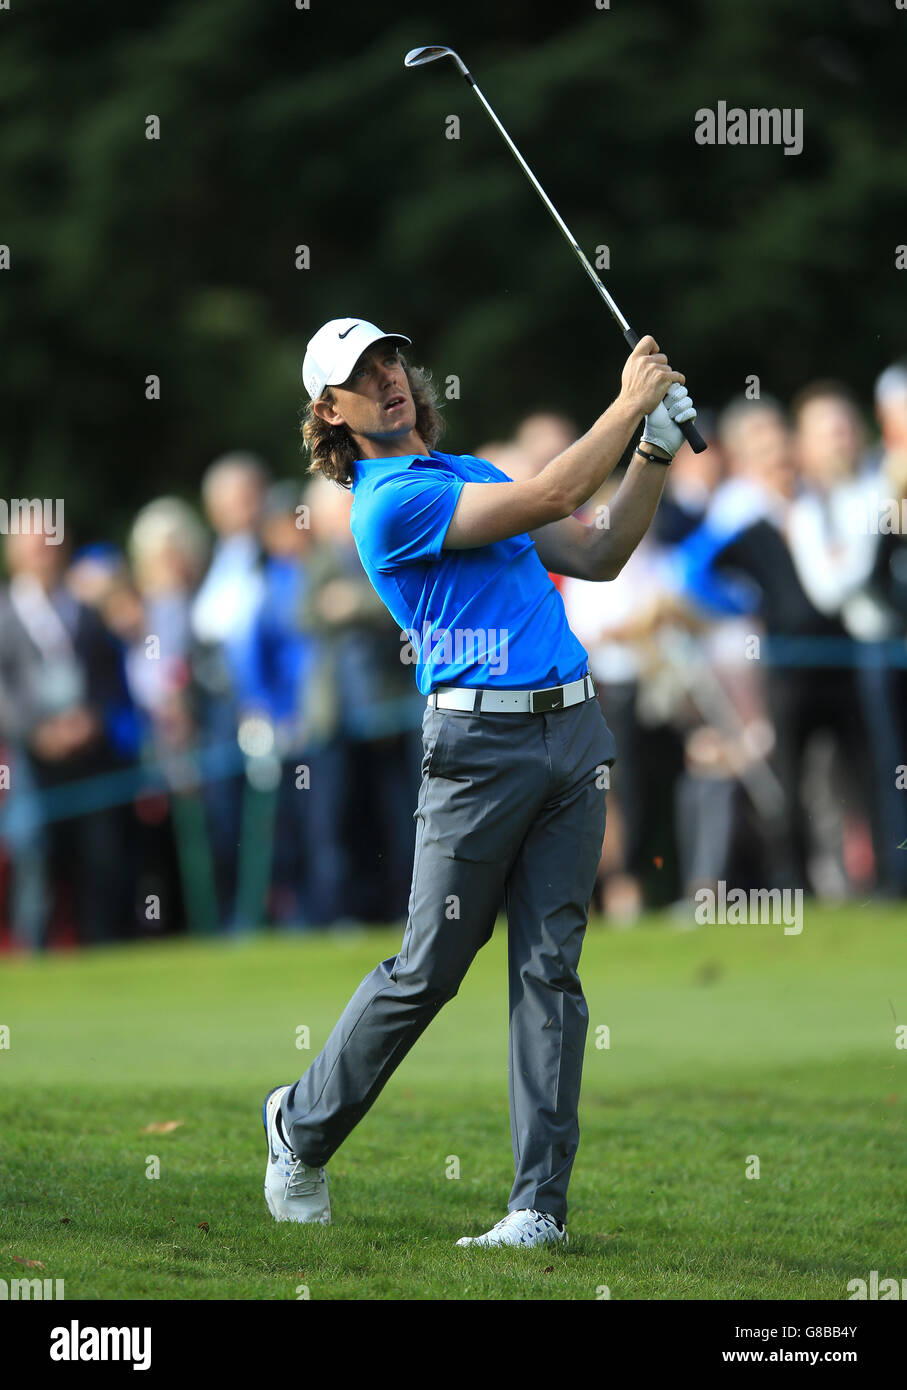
{"x":688,"y":428}
{"x":693,"y":437}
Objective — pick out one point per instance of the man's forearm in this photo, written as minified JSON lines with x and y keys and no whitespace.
{"x":630,"y":514}
{"x":579,"y":471}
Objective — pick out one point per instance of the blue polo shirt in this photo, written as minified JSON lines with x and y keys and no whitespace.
{"x":486,"y":617}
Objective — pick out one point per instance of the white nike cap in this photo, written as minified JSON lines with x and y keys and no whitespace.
{"x":336,"y":348}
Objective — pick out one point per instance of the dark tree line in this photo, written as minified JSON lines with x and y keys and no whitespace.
{"x":176,"y":257}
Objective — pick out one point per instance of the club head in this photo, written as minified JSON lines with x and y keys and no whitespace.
{"x":416,"y":57}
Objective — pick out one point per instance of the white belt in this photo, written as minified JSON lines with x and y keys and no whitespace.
{"x":513,"y":701}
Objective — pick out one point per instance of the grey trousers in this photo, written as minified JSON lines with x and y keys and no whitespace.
{"x":511,"y":809}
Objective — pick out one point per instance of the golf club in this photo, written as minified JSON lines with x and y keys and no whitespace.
{"x":415,"y":58}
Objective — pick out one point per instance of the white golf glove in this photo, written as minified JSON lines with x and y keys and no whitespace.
{"x":662,"y":425}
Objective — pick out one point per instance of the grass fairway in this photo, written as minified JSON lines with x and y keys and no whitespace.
{"x":725,"y":1042}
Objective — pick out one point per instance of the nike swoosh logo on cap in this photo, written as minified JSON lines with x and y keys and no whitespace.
{"x":349,"y":330}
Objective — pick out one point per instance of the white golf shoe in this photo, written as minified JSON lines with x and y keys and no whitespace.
{"x":525,"y":1227}
{"x":293,"y":1192}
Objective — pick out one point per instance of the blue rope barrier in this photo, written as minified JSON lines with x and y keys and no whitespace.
{"x":204,"y":764}
{"x":196,"y":767}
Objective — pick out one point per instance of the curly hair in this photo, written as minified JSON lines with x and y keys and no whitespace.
{"x":333,"y":450}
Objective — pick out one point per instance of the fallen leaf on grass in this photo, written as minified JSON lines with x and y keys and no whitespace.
{"x":203,"y":1226}
{"x":29,"y":1264}
{"x":65,"y":1220}
{"x":162,"y":1127}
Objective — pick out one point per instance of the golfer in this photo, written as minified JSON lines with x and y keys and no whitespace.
{"x":512,"y":802}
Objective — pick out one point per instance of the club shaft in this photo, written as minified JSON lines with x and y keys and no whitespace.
{"x":565,"y":230}
{"x":688,"y":428}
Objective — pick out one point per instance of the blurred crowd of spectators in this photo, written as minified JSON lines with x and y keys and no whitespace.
{"x":248,"y":665}
{"x":218,"y":725}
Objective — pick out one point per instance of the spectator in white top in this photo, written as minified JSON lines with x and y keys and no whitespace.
{"x":225,"y":606}
{"x":232,"y":493}
{"x":832,"y":547}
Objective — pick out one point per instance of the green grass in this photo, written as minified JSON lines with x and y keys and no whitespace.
{"x":725,"y":1042}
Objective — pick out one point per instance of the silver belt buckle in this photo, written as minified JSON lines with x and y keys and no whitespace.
{"x":541,"y":701}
